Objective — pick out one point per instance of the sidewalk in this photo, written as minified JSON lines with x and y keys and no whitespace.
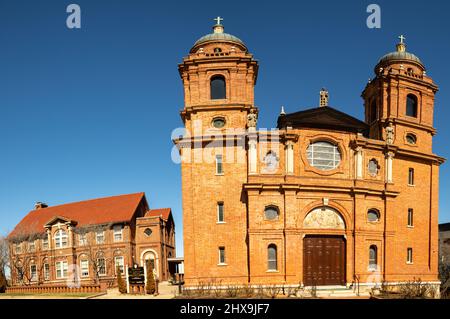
{"x":166,"y":291}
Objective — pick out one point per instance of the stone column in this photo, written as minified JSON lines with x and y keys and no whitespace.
{"x":252,"y":154}
{"x":359,"y":162}
{"x":289,"y":152}
{"x":389,"y":161}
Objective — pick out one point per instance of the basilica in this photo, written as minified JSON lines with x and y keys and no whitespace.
{"x":326,"y":199}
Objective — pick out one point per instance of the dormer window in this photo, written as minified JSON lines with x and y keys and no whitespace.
{"x":411,"y":105}
{"x":218,"y":87}
{"x":217,"y":50}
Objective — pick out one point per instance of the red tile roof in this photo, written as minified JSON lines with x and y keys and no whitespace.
{"x":119,"y":208}
{"x":163,"y":212}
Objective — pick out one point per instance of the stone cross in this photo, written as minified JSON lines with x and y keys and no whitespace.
{"x":218,"y":20}
{"x":402,"y":38}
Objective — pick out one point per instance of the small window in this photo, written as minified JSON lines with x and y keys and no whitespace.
{"x":409,"y":256}
{"x":84,"y":265}
{"x":31,"y":246}
{"x":218,"y":122}
{"x":411,"y":139}
{"x":118,"y":230}
{"x":148,"y":232}
{"x":45,"y":243}
{"x":373,"y":167}
{"x":100,"y":237}
{"x":411,"y":105}
{"x":217,"y":50}
{"x":218,"y":88}
{"x":373,"y":256}
{"x":18,"y":248}
{"x":373,"y":215}
{"x":82,"y":239}
{"x":219,"y":165}
{"x":46,"y":272}
{"x":220,"y":213}
{"x":271,"y":212}
{"x":323,"y":155}
{"x":272,"y":257}
{"x":221,"y":255}
{"x":411,"y":176}
{"x":410,"y":217}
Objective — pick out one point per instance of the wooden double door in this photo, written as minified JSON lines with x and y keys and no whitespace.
{"x":323,"y":260}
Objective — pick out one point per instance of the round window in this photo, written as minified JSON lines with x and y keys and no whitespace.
{"x":271,"y":213}
{"x":373,"y":215}
{"x":323,"y":155}
{"x":218,"y":122}
{"x":411,"y":139}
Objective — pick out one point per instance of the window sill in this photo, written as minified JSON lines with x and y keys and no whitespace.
{"x":272,"y":271}
{"x":220,"y":264}
{"x":409,"y":263}
{"x":221,"y":223}
{"x":411,"y":185}
{"x":410,"y":226}
{"x":220,"y":174}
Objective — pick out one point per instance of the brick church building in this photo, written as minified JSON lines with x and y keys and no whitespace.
{"x":89,"y":241}
{"x":325,"y":199}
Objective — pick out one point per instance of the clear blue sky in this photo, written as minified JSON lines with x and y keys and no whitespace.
{"x":89,"y":113}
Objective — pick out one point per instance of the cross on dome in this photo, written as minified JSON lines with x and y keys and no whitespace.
{"x":218,"y":20}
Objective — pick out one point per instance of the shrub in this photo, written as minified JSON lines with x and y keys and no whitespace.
{"x":150,"y":288}
{"x":121,"y":282}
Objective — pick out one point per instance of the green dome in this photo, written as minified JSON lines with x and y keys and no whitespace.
{"x":400,"y":55}
{"x":218,"y":35}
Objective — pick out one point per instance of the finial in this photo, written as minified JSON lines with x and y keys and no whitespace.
{"x":218,"y":27}
{"x":401,"y":47}
{"x":323,"y":97}
{"x":282,"y":112}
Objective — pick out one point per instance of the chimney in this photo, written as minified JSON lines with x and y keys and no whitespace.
{"x":40,"y":205}
{"x":323,"y":97}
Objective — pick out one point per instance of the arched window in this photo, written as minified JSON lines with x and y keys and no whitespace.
{"x":272,"y":257}
{"x":411,"y":105}
{"x":271,"y":212}
{"x":373,"y":215}
{"x":218,"y":88}
{"x":61,"y":238}
{"x":411,"y":139}
{"x":373,"y":262}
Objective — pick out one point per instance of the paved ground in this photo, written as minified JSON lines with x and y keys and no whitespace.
{"x":166,"y":291}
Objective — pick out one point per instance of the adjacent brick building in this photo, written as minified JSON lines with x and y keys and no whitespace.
{"x":324,"y":199}
{"x":444,"y":243}
{"x":89,"y":240}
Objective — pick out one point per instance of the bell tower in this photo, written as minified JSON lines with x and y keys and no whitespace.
{"x":399,"y":101}
{"x":219,"y":76}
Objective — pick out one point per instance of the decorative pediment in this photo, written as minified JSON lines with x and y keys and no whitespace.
{"x":59,"y":219}
{"x":323,"y":117}
{"x":324,"y":218}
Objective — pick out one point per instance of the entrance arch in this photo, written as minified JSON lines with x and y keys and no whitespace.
{"x":324,"y":249}
{"x":149,"y":257}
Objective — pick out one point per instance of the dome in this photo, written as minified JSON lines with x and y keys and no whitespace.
{"x":218,"y":35}
{"x":400,"y":55}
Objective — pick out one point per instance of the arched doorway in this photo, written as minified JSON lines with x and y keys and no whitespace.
{"x":324,"y":254}
{"x":150,"y":260}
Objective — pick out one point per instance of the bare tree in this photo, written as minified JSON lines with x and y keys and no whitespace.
{"x":94,"y":249}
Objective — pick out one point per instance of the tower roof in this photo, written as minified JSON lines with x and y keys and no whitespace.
{"x":218,"y":35}
{"x":400,"y":55}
